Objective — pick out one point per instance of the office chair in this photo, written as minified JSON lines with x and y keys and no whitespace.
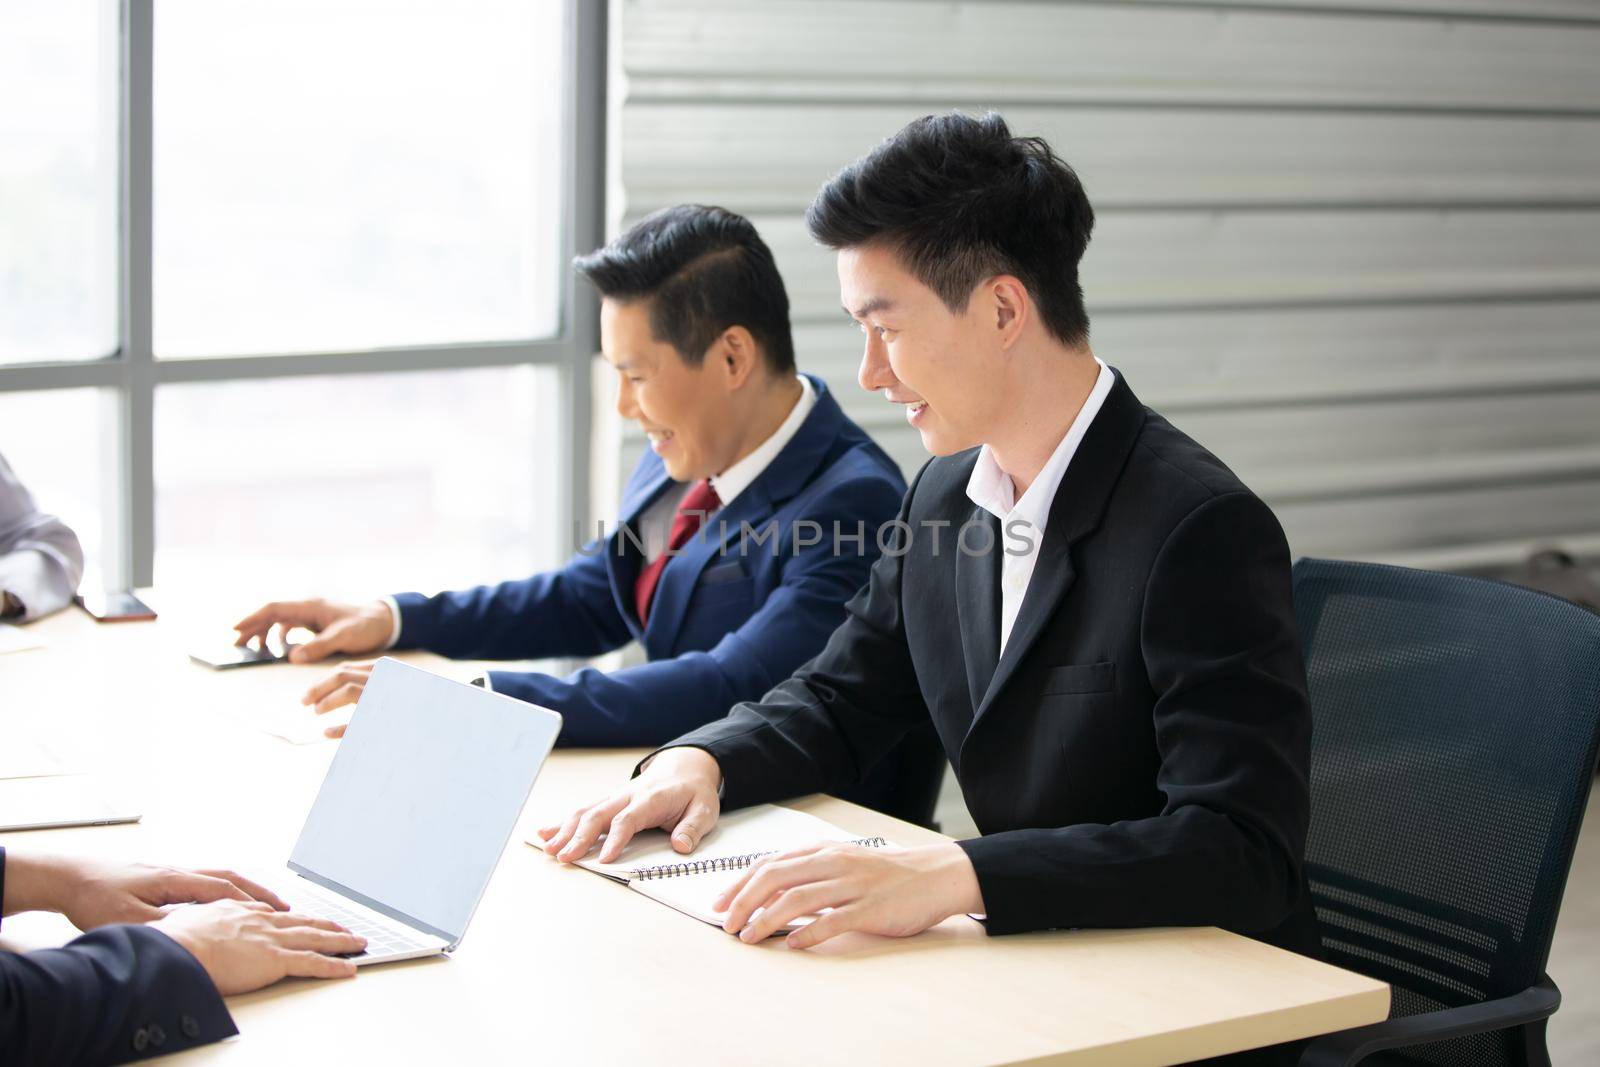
{"x":1455,"y":731}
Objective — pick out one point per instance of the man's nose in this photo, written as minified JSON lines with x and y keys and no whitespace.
{"x":875,"y":373}
{"x":626,"y":407}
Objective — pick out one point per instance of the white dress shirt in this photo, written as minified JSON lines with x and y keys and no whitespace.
{"x":655,"y":523}
{"x":41,"y":561}
{"x":1022,"y":522}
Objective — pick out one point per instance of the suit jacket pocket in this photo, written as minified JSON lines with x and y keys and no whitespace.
{"x":1081,"y":678}
{"x":722,"y":573}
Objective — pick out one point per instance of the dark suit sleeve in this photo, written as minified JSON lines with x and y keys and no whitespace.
{"x":118,"y":994}
{"x":1232,"y":729}
{"x":567,"y":612}
{"x":653,"y":702}
{"x":821,"y":729}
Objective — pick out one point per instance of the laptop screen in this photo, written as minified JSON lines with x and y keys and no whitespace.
{"x":423,"y":795}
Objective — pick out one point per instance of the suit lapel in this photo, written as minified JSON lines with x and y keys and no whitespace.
{"x":671,"y":599}
{"x":1052,"y":577}
{"x":790,"y":471}
{"x":1075,"y":512}
{"x":978,"y":608}
{"x":643,"y":490}
{"x":624,"y":560}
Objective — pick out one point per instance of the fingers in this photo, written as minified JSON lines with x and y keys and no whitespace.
{"x":727,"y":895}
{"x":620,"y":832}
{"x":199,"y":887}
{"x":285,"y":613}
{"x":771,"y":877}
{"x":829,"y":924}
{"x":348,"y":674}
{"x":590,"y":826}
{"x":334,"y":731}
{"x":254,"y":889}
{"x":563,"y":834}
{"x":307,"y":964}
{"x":137,"y":911}
{"x":297,"y":918}
{"x":351,"y":632}
{"x":321,"y":646}
{"x":697,"y":821}
{"x":312,"y":939}
{"x":789,"y":905}
{"x":349,"y":693}
{"x":254,"y":625}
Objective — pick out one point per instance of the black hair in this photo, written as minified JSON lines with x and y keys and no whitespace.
{"x":703,"y":269}
{"x":959,"y":199}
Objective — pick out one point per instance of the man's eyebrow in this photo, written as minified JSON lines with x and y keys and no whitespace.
{"x":878,"y":303}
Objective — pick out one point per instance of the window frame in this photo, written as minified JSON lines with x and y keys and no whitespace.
{"x":129,"y":377}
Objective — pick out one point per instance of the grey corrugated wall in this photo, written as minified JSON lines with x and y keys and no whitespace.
{"x":1353,"y":247}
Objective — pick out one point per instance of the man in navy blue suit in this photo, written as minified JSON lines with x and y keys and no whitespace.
{"x":752,"y":519}
{"x":148,"y":979}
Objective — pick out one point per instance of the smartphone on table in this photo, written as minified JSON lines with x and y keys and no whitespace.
{"x":229,"y":657}
{"x":114,"y":605}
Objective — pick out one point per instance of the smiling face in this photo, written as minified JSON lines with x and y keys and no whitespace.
{"x":688,"y":412}
{"x":919,"y":353}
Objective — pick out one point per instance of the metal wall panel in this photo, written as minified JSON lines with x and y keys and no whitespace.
{"x":756,"y":156}
{"x":1353,"y":246}
{"x":1020,"y":52}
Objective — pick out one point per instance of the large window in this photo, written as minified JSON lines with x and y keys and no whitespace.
{"x":58,"y":181}
{"x":359,"y":174}
{"x":284,"y":297}
{"x":355,"y":486}
{"x":53,"y":442}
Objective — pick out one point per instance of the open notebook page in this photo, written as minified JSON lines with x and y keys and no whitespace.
{"x":763,"y":828}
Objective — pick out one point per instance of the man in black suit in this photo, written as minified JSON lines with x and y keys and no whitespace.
{"x":1091,"y":608}
{"x":150,"y":977}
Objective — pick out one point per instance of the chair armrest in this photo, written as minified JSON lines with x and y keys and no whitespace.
{"x":1349,"y":1047}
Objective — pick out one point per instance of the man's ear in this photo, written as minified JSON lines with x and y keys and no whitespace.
{"x":737,"y":355}
{"x":1011,"y":307}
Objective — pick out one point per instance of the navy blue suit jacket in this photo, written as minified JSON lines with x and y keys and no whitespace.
{"x":120,"y":993}
{"x":731,"y":617}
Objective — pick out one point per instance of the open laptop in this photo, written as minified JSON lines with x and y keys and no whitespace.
{"x":416,"y":810}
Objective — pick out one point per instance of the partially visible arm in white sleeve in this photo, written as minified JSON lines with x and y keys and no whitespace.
{"x":41,"y":560}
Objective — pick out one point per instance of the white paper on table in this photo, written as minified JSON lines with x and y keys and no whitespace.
{"x":285,"y":719}
{"x":298,"y":726}
{"x":16,"y":639}
{"x":24,"y":757}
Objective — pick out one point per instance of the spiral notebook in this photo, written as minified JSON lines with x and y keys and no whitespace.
{"x":690,"y":883}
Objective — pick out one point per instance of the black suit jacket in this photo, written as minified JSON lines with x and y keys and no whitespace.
{"x":120,"y":993}
{"x":1139,"y":755}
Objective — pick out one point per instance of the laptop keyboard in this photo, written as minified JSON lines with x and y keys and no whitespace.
{"x":382,"y":938}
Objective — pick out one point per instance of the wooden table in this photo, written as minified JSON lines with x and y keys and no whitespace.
{"x":560,"y":966}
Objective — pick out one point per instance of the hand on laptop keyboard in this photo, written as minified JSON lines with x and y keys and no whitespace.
{"x":247,"y":946}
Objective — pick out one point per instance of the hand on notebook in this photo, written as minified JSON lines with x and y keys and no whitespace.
{"x":247,"y":946}
{"x":895,"y":892}
{"x":342,"y":687}
{"x":349,"y":629}
{"x":93,"y":893}
{"x":676,"y":792}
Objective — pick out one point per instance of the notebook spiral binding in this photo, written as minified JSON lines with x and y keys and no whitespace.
{"x":724,"y":863}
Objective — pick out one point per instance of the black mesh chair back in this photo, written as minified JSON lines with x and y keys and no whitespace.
{"x":1454,"y":746}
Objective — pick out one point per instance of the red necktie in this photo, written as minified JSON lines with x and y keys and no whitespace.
{"x":697,"y":503}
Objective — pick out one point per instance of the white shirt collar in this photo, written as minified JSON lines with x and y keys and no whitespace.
{"x":992,"y":489}
{"x":737,"y":478}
